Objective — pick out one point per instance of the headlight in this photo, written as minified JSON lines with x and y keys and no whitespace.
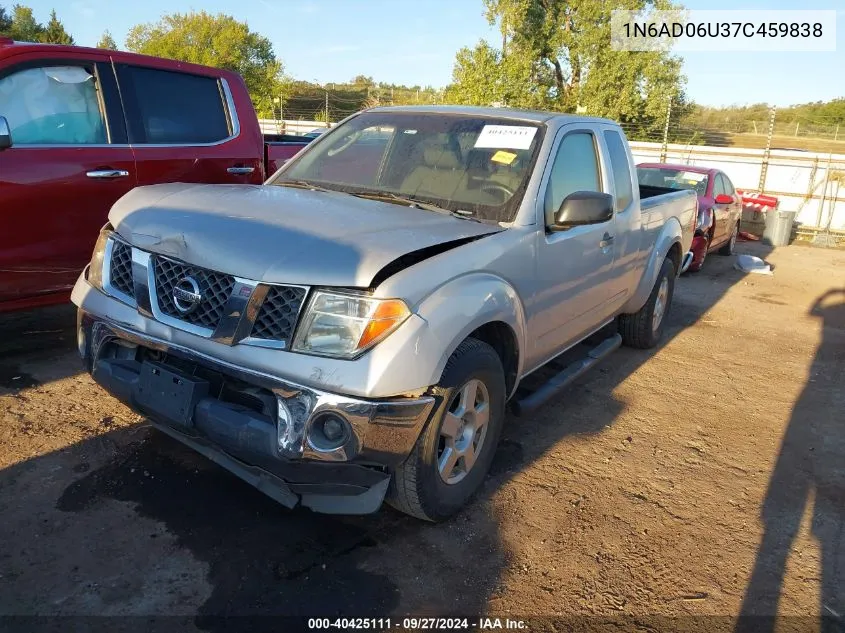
{"x":345,"y":326}
{"x":95,"y":273}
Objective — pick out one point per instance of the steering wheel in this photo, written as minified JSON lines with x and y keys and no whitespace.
{"x":334,"y":151}
{"x":500,"y":190}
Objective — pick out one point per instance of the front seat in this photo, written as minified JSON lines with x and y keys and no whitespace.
{"x":440,"y":175}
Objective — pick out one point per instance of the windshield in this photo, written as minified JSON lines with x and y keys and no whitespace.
{"x":473,"y":166}
{"x":673,"y":179}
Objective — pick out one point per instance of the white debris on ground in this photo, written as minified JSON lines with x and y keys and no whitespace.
{"x":752,"y":264}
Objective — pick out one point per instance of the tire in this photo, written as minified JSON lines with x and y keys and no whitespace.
{"x":730,"y":245}
{"x":639,"y":329}
{"x":417,"y":487}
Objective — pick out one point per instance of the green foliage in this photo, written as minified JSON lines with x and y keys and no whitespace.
{"x":54,"y":32}
{"x":24,"y":27}
{"x":555,"y":55}
{"x":305,"y":100}
{"x":107,"y":42}
{"x":5,"y":22}
{"x":215,"y":40}
{"x":485,"y":76}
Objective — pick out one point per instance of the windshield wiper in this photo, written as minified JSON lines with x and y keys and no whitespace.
{"x":415,"y":203}
{"x":304,"y":184}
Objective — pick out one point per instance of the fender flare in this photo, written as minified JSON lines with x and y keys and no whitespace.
{"x":670,"y":235}
{"x":466,"y":303}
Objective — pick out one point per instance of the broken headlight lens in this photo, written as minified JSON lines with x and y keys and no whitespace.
{"x":346,"y":325}
{"x":95,"y":272}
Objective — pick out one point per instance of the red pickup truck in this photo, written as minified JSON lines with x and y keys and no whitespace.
{"x":80,"y":127}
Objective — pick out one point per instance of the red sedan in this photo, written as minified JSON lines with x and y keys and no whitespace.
{"x":719,"y":205}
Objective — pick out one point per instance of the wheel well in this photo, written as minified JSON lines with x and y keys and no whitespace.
{"x":675,"y":255}
{"x":501,"y":337}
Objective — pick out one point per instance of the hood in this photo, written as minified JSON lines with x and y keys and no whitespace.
{"x":281,"y":234}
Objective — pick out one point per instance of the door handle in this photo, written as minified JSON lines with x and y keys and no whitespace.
{"x":241,"y":170}
{"x":606,"y":241}
{"x":107,"y":173}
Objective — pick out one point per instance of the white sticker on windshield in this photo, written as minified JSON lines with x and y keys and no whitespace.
{"x":506,"y":136}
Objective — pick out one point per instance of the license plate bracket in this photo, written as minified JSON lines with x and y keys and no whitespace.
{"x":169,"y":394}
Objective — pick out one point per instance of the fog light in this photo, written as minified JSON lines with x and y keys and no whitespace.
{"x":333,"y":429}
{"x":328,"y":432}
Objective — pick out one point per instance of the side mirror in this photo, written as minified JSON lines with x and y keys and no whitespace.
{"x":724,"y":198}
{"x":583,"y":207}
{"x":5,"y":133}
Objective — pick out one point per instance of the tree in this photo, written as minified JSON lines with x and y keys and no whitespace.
{"x":107,"y":42}
{"x":55,"y":32}
{"x":24,"y":26}
{"x":215,"y":40}
{"x":362,"y":80}
{"x":5,"y":22}
{"x":486,"y":76}
{"x":561,"y":49}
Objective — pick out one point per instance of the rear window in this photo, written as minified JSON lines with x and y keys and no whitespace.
{"x":168,"y":107}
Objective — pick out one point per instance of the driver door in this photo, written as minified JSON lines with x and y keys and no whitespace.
{"x":574,"y":265}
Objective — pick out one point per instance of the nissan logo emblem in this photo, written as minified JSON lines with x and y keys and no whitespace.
{"x":187,"y":295}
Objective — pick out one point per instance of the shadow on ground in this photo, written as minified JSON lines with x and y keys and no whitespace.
{"x":36,"y":335}
{"x":809,"y":472}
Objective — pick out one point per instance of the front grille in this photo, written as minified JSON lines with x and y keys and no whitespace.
{"x":120,"y":268}
{"x":278,"y":313}
{"x":214,"y":287}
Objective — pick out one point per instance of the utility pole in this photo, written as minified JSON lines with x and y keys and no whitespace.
{"x":327,"y":108}
{"x":665,"y":147}
{"x":765,"y":167}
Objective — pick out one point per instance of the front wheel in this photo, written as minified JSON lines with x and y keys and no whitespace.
{"x":454,"y":453}
{"x":644,"y":328}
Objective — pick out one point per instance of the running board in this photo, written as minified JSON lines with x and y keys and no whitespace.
{"x":563,"y":379}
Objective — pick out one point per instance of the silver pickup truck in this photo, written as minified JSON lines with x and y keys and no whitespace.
{"x":353,"y":330}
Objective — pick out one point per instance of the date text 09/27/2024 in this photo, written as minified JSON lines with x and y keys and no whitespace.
{"x":416,"y":624}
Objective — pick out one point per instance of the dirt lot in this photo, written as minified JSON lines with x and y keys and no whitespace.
{"x":683,"y":481}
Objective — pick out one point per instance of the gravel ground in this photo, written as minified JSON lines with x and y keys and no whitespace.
{"x":703,"y":478}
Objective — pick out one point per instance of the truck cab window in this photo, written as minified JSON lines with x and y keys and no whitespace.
{"x":52,"y":105}
{"x":173,"y":108}
{"x":575,"y":168}
{"x":621,"y":171}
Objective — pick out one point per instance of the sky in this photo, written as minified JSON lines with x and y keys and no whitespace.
{"x":413,"y":42}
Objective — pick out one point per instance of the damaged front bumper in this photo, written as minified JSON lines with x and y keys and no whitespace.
{"x":298,"y":445}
